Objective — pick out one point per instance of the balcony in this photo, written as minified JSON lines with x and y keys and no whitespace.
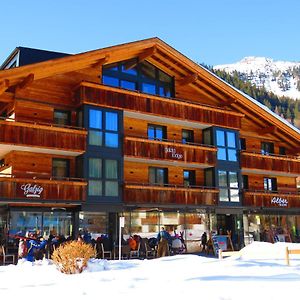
{"x":262,"y":199}
{"x":273,"y":164}
{"x":54,"y":138}
{"x":135,"y":193}
{"x":170,"y":151}
{"x":96,"y":94}
{"x":33,"y":190}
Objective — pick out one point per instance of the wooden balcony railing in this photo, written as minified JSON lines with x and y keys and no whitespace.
{"x":46,"y":136}
{"x":42,"y":190}
{"x":167,"y":150}
{"x":277,"y":163}
{"x":91,"y":93}
{"x":270,"y":200}
{"x":135,"y":193}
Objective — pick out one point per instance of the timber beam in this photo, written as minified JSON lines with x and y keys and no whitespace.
{"x":270,"y":129}
{"x":228,"y":102}
{"x":101,"y":62}
{"x":188,"y":79}
{"x":4,"y":85}
{"x":143,"y":56}
{"x":26,"y":82}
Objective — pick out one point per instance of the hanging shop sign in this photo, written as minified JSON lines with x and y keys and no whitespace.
{"x":174,"y":153}
{"x":31,"y":190}
{"x":282,"y":202}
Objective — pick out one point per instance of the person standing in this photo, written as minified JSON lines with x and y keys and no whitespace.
{"x":163,"y":239}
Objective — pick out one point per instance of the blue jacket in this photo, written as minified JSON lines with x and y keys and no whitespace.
{"x":33,"y":245}
{"x":164,"y":234}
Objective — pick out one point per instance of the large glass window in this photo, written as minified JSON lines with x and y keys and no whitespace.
{"x":103,"y":128}
{"x":157,"y":132}
{"x":228,"y":184}
{"x":103,"y":177}
{"x":142,"y":76}
{"x":227,"y":146}
{"x":158,"y":176}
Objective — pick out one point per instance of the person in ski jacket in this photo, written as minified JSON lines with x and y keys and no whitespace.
{"x":32,"y":247}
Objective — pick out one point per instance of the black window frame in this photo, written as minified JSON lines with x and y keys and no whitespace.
{"x":117,"y":72}
{"x":191,"y":179}
{"x":227,"y":187}
{"x":190,"y":134}
{"x":67,"y":161}
{"x":226,"y":146}
{"x":270,"y":184}
{"x":68,"y":114}
{"x":165,"y":175}
{"x":267,"y":148}
{"x":157,"y":127}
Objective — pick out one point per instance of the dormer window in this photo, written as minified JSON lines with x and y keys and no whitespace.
{"x":142,"y":76}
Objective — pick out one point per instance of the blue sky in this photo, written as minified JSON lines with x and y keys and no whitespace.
{"x":209,"y":31}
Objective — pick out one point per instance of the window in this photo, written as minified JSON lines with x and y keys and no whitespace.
{"x":142,"y":76}
{"x":103,"y":177}
{"x":60,"y":168}
{"x":227,"y":146}
{"x":267,"y":148}
{"x":243,"y":143}
{"x":270,"y":184}
{"x":282,"y":151}
{"x":228,"y":184}
{"x":103,"y":128}
{"x":245,"y":182}
{"x":189,"y":178}
{"x":158,"y":176}
{"x":61,"y":117}
{"x":156,"y":132}
{"x":187,"y":136}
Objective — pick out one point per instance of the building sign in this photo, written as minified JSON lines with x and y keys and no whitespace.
{"x":31,"y":191}
{"x":279,"y":201}
{"x":173,"y":152}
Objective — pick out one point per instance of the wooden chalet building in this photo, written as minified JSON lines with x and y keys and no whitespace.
{"x":141,"y":131}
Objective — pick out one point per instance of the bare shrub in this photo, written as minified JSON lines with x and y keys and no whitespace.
{"x":72,"y":257}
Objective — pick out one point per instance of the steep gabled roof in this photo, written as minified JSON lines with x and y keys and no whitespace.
{"x":169,"y":60}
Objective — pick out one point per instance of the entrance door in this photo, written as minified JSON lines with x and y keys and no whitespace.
{"x":234,"y":224}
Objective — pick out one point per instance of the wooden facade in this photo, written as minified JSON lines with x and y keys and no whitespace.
{"x":180,"y":97}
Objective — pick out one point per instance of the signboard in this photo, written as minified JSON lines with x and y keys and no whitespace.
{"x":122,"y":222}
{"x":29,"y":190}
{"x":221,"y":242}
{"x":278,"y":201}
{"x":173,"y":153}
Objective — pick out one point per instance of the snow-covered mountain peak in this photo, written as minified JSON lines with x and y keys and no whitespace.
{"x":280,"y":77}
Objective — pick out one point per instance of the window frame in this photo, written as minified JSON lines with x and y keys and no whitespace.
{"x":156,"y":169}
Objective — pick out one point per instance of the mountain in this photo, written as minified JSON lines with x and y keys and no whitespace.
{"x":286,"y":107}
{"x":279,"y":77}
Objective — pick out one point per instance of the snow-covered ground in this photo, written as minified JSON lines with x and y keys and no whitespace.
{"x":260,"y":273}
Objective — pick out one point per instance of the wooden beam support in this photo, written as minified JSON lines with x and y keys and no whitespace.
{"x":101,"y":62}
{"x":188,"y":79}
{"x":228,"y":102}
{"x":270,"y":129}
{"x":4,"y":85}
{"x":143,"y":56}
{"x":26,"y":82}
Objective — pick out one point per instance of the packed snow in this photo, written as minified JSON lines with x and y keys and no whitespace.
{"x":258,"y":272}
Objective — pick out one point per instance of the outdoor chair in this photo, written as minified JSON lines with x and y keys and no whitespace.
{"x":149,"y":252}
{"x":135,"y":253}
{"x":105,"y":253}
{"x":10,"y":257}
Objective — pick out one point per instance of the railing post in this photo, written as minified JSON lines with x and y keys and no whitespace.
{"x":287,"y":256}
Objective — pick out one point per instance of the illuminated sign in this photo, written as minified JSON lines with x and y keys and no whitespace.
{"x":280,"y":201}
{"x":32,"y":191}
{"x":173,"y":153}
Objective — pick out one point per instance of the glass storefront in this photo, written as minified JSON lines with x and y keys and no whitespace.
{"x":270,"y":228}
{"x":42,"y":223}
{"x":96,"y":224}
{"x":147,"y":225}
